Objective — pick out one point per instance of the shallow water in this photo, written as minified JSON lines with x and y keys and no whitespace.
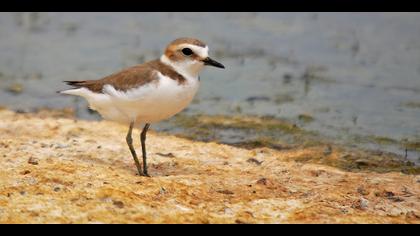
{"x":355,"y":76}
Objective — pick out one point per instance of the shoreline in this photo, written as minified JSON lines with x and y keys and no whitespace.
{"x":59,"y":170}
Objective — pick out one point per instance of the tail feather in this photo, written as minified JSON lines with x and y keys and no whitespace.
{"x":91,"y":85}
{"x":75,"y":83}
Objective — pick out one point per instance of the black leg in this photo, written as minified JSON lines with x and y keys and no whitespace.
{"x":143,"y":148}
{"x":133,"y":152}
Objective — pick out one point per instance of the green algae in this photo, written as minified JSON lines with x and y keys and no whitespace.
{"x":306,"y":118}
{"x":261,"y":142}
{"x":251,"y":123}
{"x":243,"y":131}
{"x":412,"y":105}
{"x":383,"y":140}
{"x":265,"y":131}
{"x":412,"y":145}
{"x":283,"y":98}
{"x":363,"y":161}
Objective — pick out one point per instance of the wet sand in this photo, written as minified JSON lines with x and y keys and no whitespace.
{"x":61,"y":170}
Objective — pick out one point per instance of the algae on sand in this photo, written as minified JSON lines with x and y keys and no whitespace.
{"x":257,"y":132}
{"x":243,"y":131}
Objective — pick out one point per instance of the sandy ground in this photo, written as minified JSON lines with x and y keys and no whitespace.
{"x":59,"y":170}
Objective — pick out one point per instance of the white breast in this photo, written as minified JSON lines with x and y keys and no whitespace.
{"x":146,"y":104}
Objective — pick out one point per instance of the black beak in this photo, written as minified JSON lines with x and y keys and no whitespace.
{"x":210,"y":62}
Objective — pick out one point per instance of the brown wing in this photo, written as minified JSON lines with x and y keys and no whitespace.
{"x":123,"y":80}
{"x":131,"y":77}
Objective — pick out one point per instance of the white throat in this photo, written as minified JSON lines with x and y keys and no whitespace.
{"x":188,"y":69}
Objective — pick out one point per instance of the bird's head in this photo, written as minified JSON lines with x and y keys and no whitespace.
{"x":188,"y":56}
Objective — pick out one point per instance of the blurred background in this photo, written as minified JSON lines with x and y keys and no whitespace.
{"x":353,"y":78}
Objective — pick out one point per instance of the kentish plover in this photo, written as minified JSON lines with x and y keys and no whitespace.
{"x":149,"y":92}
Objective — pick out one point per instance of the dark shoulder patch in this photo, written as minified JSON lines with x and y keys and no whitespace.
{"x":167,"y":71}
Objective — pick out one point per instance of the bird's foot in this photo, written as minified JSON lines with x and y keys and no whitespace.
{"x":139,"y":172}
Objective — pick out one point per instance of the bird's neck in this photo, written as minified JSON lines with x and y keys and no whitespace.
{"x":188,"y":69}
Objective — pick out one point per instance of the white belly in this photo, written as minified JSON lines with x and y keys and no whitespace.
{"x":146,"y":104}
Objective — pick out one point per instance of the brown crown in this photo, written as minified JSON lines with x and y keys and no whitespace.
{"x":188,"y":41}
{"x":174,"y":55}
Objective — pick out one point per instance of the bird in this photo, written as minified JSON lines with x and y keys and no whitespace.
{"x":147,"y":93}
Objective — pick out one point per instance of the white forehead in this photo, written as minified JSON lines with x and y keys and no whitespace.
{"x":200,"y":51}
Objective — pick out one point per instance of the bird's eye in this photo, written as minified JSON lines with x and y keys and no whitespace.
{"x":187,"y":51}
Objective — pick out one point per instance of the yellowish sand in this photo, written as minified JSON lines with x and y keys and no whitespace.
{"x":60,"y":170}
